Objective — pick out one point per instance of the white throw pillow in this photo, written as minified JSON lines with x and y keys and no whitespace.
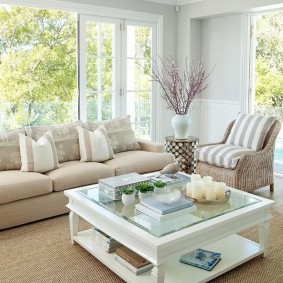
{"x":94,"y":146}
{"x":40,"y":156}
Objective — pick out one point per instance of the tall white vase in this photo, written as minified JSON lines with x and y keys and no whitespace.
{"x":181,"y":126}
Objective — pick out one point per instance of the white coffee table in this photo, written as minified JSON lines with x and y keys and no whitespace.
{"x":213,"y":228}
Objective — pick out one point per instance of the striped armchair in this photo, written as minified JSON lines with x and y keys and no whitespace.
{"x":244,"y":157}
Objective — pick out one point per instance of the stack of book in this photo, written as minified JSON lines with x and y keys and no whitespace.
{"x":109,"y":243}
{"x":132,"y":261}
{"x":165,"y":211}
{"x":201,"y":258}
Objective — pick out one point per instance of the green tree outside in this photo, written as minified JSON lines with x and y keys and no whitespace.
{"x":269,"y":65}
{"x":37,"y":66}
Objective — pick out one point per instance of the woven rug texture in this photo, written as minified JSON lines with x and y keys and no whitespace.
{"x":42,"y":252}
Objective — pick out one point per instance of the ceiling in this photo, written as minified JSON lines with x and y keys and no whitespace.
{"x":173,"y":2}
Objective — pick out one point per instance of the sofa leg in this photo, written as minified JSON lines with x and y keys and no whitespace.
{"x":272,"y":187}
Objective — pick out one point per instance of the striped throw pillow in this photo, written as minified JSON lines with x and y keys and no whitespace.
{"x":40,"y":156}
{"x":94,"y":146}
{"x":222,"y":155}
{"x":250,"y":131}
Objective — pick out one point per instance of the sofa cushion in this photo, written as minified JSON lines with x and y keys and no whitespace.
{"x":249,"y":131}
{"x":139,"y":161}
{"x":65,"y":136}
{"x":94,"y":146}
{"x":76,"y":174}
{"x":38,"y":156}
{"x":16,"y":185}
{"x":120,"y":133}
{"x":10,"y":158}
{"x":222,"y":155}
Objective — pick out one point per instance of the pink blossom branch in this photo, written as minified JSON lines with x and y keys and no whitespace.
{"x":179,"y":87}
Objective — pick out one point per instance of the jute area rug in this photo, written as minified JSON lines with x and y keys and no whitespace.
{"x":42,"y":252}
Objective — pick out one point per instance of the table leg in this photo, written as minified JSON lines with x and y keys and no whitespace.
{"x":157,"y":274}
{"x":263,"y":237}
{"x":74,"y":225}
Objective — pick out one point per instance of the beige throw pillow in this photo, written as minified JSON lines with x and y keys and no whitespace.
{"x":65,"y":137}
{"x":94,"y":146}
{"x":10,"y":158}
{"x":120,"y":133}
{"x":40,"y":156}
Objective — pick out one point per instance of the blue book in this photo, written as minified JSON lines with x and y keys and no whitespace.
{"x":201,"y":258}
{"x":165,"y":208}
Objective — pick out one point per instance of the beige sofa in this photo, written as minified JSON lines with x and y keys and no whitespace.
{"x":31,"y":196}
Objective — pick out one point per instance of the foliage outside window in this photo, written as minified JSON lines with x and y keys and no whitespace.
{"x":269,"y":65}
{"x":37,"y":67}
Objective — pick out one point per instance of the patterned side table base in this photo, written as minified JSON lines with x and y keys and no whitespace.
{"x":184,"y":149}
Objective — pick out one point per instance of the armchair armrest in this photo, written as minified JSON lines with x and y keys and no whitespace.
{"x":151,"y":146}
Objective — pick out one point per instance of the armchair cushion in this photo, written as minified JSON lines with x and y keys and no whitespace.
{"x":250,"y":131}
{"x":222,"y":155}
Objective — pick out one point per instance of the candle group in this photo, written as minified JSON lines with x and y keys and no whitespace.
{"x":205,"y":188}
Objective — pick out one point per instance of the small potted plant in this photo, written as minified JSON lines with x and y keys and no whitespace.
{"x":128,"y":196}
{"x":159,"y":184}
{"x":145,"y":190}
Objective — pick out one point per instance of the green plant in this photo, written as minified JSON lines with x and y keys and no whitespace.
{"x":144,"y":187}
{"x":159,"y":184}
{"x":128,"y":190}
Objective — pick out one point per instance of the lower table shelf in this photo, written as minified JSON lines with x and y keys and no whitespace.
{"x":174,"y":270}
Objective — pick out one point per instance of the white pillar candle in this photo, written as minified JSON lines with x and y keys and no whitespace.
{"x":207,"y":179}
{"x":220,"y":190}
{"x":197,"y":190}
{"x":211,"y":194}
{"x":195,"y":178}
{"x":189,"y":190}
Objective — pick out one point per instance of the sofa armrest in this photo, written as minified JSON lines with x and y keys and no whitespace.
{"x":151,"y":146}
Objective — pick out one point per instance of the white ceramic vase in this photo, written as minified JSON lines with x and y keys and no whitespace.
{"x":145,"y":195}
{"x":128,"y":199}
{"x":181,"y":126}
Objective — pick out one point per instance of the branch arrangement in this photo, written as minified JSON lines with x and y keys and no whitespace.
{"x":179,"y":87}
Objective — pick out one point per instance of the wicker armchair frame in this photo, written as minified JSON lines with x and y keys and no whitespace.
{"x":253,"y":171}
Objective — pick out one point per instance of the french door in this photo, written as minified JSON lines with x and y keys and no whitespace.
{"x":115,"y":59}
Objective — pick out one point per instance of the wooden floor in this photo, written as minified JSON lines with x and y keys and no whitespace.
{"x":277,"y":195}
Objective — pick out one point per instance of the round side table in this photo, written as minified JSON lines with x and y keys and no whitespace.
{"x":184,"y":149}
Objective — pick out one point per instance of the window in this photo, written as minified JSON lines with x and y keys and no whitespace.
{"x":38,"y":82}
{"x":47,"y":78}
{"x":115,"y":59}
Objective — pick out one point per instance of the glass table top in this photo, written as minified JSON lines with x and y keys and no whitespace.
{"x":157,"y":228}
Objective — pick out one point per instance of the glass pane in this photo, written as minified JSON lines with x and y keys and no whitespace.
{"x":91,"y":74}
{"x":92,"y":38}
{"x":131,"y":41}
{"x":38,"y":69}
{"x":99,"y":106}
{"x":140,"y":113}
{"x":203,"y":213}
{"x":145,"y":42}
{"x":144,"y":69}
{"x":17,"y":115}
{"x":107,"y":74}
{"x":107,"y":39}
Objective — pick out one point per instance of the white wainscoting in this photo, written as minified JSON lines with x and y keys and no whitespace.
{"x":211,"y":117}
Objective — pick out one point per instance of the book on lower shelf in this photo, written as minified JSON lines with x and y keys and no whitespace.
{"x":163,"y":217}
{"x":110,"y":244}
{"x":201,"y":258}
{"x":135,"y":270}
{"x":165,"y":208}
{"x":131,"y":257}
